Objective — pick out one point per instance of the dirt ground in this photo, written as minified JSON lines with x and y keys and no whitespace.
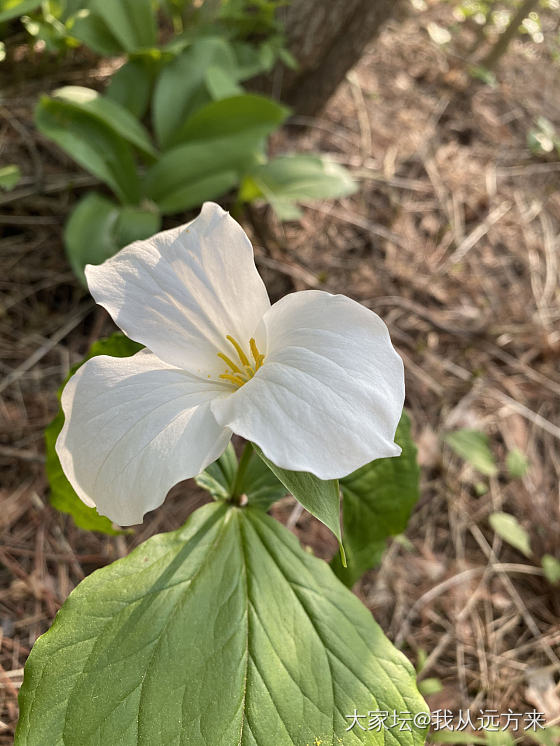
{"x":453,"y":240}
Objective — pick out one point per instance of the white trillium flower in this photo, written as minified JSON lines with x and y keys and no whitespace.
{"x":313,"y":380}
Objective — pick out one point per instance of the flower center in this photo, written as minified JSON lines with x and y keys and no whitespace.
{"x":238,"y":374}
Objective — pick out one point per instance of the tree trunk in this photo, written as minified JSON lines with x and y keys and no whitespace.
{"x":327,"y":37}
{"x":500,"y":47}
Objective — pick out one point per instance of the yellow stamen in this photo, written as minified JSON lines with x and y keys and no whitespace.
{"x":230,"y":363}
{"x":236,"y":374}
{"x":242,"y":356}
{"x":256,"y":354}
{"x":237,"y":380}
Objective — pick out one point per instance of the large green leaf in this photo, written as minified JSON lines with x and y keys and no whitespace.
{"x":225,"y":139}
{"x":320,"y":497}
{"x":132,"y":22}
{"x":108,"y":112}
{"x":287,"y":179}
{"x":377,"y":502}
{"x":224,"y":632}
{"x":13,"y":8}
{"x":94,"y":145}
{"x":181,"y":88}
{"x":131,"y":86}
{"x":248,"y":115}
{"x":256,"y":481}
{"x":62,"y":495}
{"x":98,"y":228}
{"x":91,"y":30}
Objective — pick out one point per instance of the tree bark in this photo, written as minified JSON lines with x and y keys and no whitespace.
{"x":327,"y":37}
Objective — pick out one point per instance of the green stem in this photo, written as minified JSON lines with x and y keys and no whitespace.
{"x":241,"y":469}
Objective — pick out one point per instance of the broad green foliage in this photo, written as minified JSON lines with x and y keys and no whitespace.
{"x":62,"y":495}
{"x":225,"y":479}
{"x":109,"y":113}
{"x":320,"y":497}
{"x":219,"y":142}
{"x":472,"y":445}
{"x":509,"y":529}
{"x":98,"y":228}
{"x":93,"y":144}
{"x":13,"y":8}
{"x":285,"y":180}
{"x":181,"y":87}
{"x":131,"y":85}
{"x":210,"y":136}
{"x":9,"y":177}
{"x":224,"y":632}
{"x":377,"y":502}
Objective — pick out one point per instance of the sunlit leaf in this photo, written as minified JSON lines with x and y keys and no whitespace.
{"x":292,"y":178}
{"x":108,"y":112}
{"x":13,"y":8}
{"x":180,"y":89}
{"x":509,"y":529}
{"x":551,"y":569}
{"x":9,"y":177}
{"x":472,"y":445}
{"x":224,"y":632}
{"x":93,"y":144}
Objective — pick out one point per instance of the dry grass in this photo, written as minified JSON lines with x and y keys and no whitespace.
{"x":453,"y":239}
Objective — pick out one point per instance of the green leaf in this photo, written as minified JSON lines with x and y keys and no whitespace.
{"x":98,"y":228}
{"x":430,"y":686}
{"x":549,"y":736}
{"x":91,"y":30}
{"x":131,"y":86}
{"x":218,"y":478}
{"x":377,"y":502}
{"x":172,"y":193}
{"x":257,"y":482}
{"x":261,"y":485}
{"x":132,"y":22}
{"x":9,"y":177}
{"x":499,"y":737}
{"x":320,"y":497}
{"x":108,"y":112}
{"x":223,"y":632}
{"x":180,"y":88}
{"x":509,"y":529}
{"x":94,"y":145}
{"x":472,"y":445}
{"x":551,"y":569}
{"x":291,"y":178}
{"x":447,"y":736}
{"x":248,"y":115}
{"x":62,"y":495}
{"x":516,"y":463}
{"x":221,"y":83}
{"x":225,"y":139}
{"x":13,"y":8}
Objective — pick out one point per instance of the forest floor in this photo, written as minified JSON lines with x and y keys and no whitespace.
{"x":453,"y":239}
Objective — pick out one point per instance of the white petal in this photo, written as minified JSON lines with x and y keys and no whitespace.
{"x":183,"y":291}
{"x":134,"y":427}
{"x":330,"y":393}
